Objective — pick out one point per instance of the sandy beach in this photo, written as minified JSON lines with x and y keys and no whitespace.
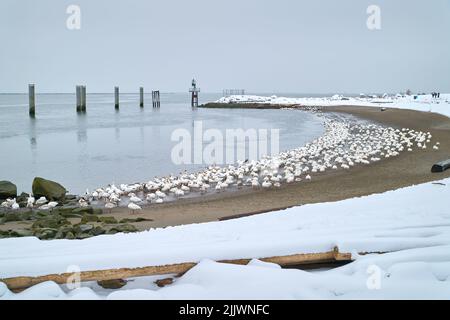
{"x":407,"y":169}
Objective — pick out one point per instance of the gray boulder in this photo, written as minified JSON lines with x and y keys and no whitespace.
{"x":49,"y":189}
{"x":7,"y":190}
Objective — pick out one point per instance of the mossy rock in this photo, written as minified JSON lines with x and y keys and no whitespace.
{"x":7,"y":190}
{"x":23,"y":197}
{"x":71,"y":215}
{"x":82,"y":228}
{"x":49,"y":189}
{"x":70,"y":236}
{"x":20,"y":233}
{"x":65,"y":209}
{"x":4,"y":234}
{"x":97,"y":211}
{"x":71,"y":203}
{"x":83,"y":210}
{"x":82,"y":236}
{"x":12,"y":216}
{"x":108,"y":220}
{"x":22,"y":204}
{"x":26,"y":215}
{"x":42,"y":214}
{"x":63,"y":232}
{"x":125,"y":228}
{"x":45,"y":233}
{"x":89,"y":218}
{"x":97,"y":231}
{"x":50,"y":222}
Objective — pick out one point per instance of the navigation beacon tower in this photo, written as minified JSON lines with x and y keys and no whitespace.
{"x":195,"y":91}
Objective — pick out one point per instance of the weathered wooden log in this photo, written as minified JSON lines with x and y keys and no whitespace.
{"x":441,"y":166}
{"x":21,"y":283}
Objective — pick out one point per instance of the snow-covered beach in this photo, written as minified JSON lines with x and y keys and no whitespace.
{"x":411,"y":224}
{"x":425,"y":102}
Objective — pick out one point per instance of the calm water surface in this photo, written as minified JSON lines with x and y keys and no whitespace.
{"x":130,"y":145}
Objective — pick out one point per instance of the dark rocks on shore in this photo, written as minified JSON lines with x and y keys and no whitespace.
{"x":45,"y":233}
{"x":87,"y":210}
{"x":112,"y":284}
{"x":109,"y":220}
{"x":7,"y":190}
{"x":89,"y":218}
{"x":55,"y":223}
{"x":46,"y":188}
{"x":125,"y":228}
{"x":21,"y":233}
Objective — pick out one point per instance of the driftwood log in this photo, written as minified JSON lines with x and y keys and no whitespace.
{"x":21,"y":283}
{"x":441,"y":166}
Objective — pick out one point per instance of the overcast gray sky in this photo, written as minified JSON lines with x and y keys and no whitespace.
{"x":320,"y":46}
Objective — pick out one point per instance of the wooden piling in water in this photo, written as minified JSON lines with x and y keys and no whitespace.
{"x":141,"y":97}
{"x":78,"y":98}
{"x":83,"y":98}
{"x":156,"y":99}
{"x":116,"y":97}
{"x":31,"y":100}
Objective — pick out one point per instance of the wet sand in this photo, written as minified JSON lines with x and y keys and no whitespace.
{"x":407,"y":169}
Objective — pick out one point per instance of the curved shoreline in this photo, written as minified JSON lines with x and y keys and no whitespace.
{"x":407,"y":169}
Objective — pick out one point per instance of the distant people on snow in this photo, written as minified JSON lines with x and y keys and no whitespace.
{"x":436,"y":95}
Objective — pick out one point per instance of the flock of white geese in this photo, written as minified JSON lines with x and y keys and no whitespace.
{"x":344,"y":145}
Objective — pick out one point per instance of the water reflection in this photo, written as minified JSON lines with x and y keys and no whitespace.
{"x":32,"y":134}
{"x":81,"y":125}
{"x":87,"y":150}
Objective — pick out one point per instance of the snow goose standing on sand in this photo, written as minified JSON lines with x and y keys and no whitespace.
{"x":7,"y":203}
{"x":30,"y":202}
{"x":83,"y":203}
{"x":160,"y":194}
{"x":110,"y":206}
{"x":15,"y":205}
{"x":134,"y":199}
{"x":151,"y":196}
{"x":134,"y":207}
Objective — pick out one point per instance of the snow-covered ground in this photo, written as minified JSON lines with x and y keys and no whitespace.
{"x":421,"y":103}
{"x":412,"y":223}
